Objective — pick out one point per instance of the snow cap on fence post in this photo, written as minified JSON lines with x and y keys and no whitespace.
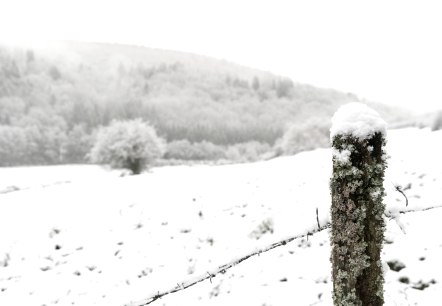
{"x":358,"y":140}
{"x":358,"y":120}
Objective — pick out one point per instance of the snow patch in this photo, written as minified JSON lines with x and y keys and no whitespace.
{"x":358,"y":120}
{"x":342,"y":156}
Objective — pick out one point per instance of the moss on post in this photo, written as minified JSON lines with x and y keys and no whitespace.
{"x":357,"y":210}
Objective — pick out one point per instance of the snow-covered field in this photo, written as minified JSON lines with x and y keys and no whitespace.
{"x":81,"y":235}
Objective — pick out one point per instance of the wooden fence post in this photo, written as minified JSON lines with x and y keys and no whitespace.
{"x":357,"y":231}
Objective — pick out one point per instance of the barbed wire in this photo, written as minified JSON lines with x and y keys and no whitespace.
{"x":391,"y":215}
{"x":223,"y":268}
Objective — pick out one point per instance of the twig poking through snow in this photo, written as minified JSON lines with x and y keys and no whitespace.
{"x":399,"y":189}
{"x":317,"y":218}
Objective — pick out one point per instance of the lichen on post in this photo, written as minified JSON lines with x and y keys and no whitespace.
{"x":359,"y":161}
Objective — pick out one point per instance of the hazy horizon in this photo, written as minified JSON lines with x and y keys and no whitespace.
{"x":382,"y":52}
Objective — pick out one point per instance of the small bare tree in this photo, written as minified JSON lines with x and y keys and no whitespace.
{"x":357,"y":231}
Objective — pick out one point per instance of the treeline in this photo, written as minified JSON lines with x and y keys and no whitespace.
{"x":51,"y":105}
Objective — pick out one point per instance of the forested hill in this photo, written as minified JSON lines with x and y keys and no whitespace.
{"x":53,"y":98}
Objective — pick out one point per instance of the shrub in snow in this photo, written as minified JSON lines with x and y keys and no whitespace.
{"x":266,"y":226}
{"x":304,"y":137}
{"x":131,"y":145}
{"x":5,"y":261}
{"x":358,"y":140}
{"x":437,"y":122}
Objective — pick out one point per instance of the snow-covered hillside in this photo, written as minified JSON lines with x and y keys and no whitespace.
{"x":80,"y":235}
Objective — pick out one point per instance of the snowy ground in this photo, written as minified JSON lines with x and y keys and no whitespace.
{"x":80,"y":235}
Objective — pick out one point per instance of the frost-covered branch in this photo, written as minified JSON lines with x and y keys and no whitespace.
{"x":223,"y":268}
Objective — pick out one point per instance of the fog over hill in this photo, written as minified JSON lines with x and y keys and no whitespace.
{"x":54,"y":96}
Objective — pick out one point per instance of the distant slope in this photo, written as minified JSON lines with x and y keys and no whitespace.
{"x":130,"y":56}
{"x":66,"y":90}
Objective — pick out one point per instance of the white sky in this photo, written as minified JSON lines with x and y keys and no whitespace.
{"x":386,"y":51}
